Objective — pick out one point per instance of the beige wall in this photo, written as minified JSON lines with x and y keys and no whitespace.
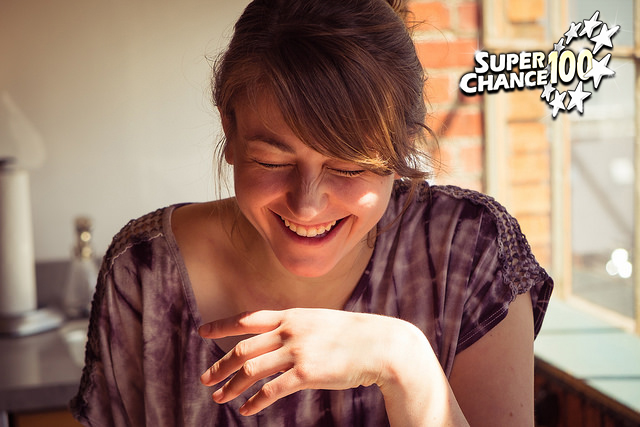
{"x":119,"y":91}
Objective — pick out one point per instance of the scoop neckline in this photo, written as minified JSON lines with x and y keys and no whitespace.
{"x":187,"y":287}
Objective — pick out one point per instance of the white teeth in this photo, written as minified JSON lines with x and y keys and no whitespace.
{"x":308,"y":232}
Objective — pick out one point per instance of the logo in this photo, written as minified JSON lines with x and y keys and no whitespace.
{"x":511,"y":71}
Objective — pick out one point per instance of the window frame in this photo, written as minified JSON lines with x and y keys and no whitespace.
{"x":496,"y":181}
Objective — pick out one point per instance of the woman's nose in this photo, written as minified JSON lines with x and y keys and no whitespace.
{"x":307,"y":198}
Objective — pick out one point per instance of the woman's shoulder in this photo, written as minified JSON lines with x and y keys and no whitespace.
{"x":162,"y":222}
{"x":138,"y":230}
{"x":440,"y":203}
{"x":435,"y":197}
{"x":448,"y":211}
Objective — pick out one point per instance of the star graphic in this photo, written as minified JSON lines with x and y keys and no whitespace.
{"x":590,"y":25}
{"x":547,"y":91}
{"x":604,"y":37}
{"x":599,"y":69}
{"x":573,"y":32}
{"x":559,"y":47}
{"x":558,"y":102}
{"x":577,"y":98}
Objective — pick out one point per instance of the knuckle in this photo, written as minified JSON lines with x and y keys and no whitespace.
{"x":302,"y":374}
{"x":242,"y":319}
{"x":269,"y":391}
{"x":248,"y":369}
{"x":240,"y":350}
{"x":214,"y":370}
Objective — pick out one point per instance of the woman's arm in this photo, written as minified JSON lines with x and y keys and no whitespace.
{"x":493,"y":379}
{"x":415,"y":389}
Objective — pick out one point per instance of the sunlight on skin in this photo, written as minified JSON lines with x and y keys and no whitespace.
{"x":368,"y":200}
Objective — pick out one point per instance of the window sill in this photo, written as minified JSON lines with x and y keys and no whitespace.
{"x":591,"y":352}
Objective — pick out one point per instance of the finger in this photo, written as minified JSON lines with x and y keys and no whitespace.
{"x":284,"y":385}
{"x":241,"y":353}
{"x":252,"y":371}
{"x":255,"y":322}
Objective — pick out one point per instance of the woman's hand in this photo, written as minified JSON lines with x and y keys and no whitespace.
{"x":313,"y":348}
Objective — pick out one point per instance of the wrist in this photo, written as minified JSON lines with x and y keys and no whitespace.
{"x":407,"y":355}
{"x":415,"y":389}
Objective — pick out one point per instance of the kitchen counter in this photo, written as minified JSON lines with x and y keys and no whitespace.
{"x":41,"y":372}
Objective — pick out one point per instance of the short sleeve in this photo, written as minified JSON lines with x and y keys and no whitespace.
{"x":503,"y":268}
{"x":110,"y":389}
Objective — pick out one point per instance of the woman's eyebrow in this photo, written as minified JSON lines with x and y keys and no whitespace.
{"x":270,"y":141}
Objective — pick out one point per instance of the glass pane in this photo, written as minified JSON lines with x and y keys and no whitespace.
{"x":612,"y":12}
{"x":602,"y":174}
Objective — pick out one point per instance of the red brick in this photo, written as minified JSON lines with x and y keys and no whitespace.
{"x":469,"y":16}
{"x":438,"y":89}
{"x":442,"y":160}
{"x":431,"y":15}
{"x":468,"y":100}
{"x":456,"y":123}
{"x":471,"y":158}
{"x":444,"y":88}
{"x":444,"y":54}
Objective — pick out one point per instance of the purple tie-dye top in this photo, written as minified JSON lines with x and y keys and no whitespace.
{"x":451,"y":265}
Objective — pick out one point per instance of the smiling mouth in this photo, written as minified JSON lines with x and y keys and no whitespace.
{"x":316,"y":231}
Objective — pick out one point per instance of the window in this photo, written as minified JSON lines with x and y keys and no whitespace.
{"x":571,"y":181}
{"x":602,"y":176}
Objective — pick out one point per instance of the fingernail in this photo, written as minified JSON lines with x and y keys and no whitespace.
{"x":218,"y":395}
{"x":204,"y":378}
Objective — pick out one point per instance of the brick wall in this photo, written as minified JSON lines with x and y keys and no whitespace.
{"x":446,"y":40}
{"x":449,"y":34}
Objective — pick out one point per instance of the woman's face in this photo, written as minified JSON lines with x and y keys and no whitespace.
{"x":314,"y":212}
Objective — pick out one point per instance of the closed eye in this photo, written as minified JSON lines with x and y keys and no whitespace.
{"x":338,"y":171}
{"x":348,"y":172}
{"x":271,"y":165}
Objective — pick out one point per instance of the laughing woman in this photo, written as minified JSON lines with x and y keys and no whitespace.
{"x":337,"y":287}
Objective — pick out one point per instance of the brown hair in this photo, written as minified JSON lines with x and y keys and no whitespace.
{"x":344,"y":74}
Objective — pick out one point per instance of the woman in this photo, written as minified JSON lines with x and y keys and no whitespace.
{"x":327,"y":291}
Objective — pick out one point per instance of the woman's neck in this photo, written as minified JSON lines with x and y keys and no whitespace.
{"x":270,"y":286}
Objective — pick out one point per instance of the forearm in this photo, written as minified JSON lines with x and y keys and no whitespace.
{"x":416,"y":391}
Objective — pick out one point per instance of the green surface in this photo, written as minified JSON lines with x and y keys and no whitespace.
{"x":589,"y":349}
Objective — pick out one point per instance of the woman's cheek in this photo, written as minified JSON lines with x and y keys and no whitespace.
{"x":363,"y":192}
{"x":262,"y":182}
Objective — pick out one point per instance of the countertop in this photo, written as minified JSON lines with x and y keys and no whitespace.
{"x":41,"y":372}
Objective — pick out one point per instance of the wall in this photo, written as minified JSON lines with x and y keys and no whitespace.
{"x":119,"y":91}
{"x":446,"y":40}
